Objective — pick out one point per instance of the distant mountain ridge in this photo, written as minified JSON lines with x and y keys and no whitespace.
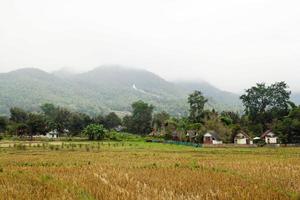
{"x":104,"y":89}
{"x":217,"y":96}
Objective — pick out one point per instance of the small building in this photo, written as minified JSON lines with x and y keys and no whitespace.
{"x":191,"y":135}
{"x":269,"y":137}
{"x":52,"y":134}
{"x":242,"y":138}
{"x":211,"y":137}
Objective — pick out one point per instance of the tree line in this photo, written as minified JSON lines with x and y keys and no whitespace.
{"x":65,"y":122}
{"x":267,"y":107}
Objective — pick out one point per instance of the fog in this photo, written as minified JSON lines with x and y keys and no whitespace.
{"x":232,"y":44}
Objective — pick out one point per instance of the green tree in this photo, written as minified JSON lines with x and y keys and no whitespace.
{"x":140,"y":121}
{"x":18,"y":115}
{"x":213,"y":122}
{"x":21,"y":129}
{"x":183,"y":125}
{"x":49,"y":109}
{"x":159,"y":120}
{"x":112,"y":120}
{"x":99,"y":119}
{"x":57,"y":118}
{"x":77,"y":122}
{"x":197,"y":102}
{"x":229,"y":117}
{"x":127,"y":122}
{"x":94,"y":132}
{"x":288,"y":128}
{"x":266,"y":103}
{"x":36,"y":124}
{"x":3,"y":124}
{"x":62,"y":120}
{"x":171,"y":126}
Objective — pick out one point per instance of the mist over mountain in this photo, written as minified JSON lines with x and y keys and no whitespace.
{"x":106,"y":89}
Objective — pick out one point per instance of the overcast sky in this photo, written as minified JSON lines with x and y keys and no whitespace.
{"x":232,"y":43}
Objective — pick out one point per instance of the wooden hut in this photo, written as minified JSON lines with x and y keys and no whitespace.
{"x":269,"y":137}
{"x":242,"y":138}
{"x":212,"y":137}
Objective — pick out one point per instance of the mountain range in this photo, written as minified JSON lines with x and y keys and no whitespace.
{"x":106,"y":89}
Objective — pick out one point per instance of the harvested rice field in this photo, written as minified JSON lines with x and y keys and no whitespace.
{"x":141,"y":170}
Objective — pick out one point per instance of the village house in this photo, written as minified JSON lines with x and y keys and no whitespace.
{"x":211,"y":137}
{"x":242,"y":138}
{"x":191,"y":135}
{"x":269,"y":137}
{"x":52,"y":134}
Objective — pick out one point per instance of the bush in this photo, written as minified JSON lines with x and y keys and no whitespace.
{"x":94,"y":132}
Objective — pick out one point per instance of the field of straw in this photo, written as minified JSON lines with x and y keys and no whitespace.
{"x":146,"y":171}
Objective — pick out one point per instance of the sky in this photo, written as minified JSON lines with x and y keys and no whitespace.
{"x":232,"y":44}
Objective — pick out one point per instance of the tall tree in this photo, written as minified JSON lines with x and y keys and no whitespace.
{"x":21,"y":129}
{"x":77,"y":122}
{"x":159,"y":120}
{"x":288,"y":128}
{"x":265,"y":103}
{"x":127,"y":122}
{"x":140,"y":121}
{"x":3,"y":124}
{"x":229,"y":117}
{"x":112,"y":120}
{"x":62,"y":120}
{"x":36,"y":124}
{"x":57,"y":118}
{"x":197,"y":102}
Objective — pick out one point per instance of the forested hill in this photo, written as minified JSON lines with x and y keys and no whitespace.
{"x":104,"y":89}
{"x":218,"y":98}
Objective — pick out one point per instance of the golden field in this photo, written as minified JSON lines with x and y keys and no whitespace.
{"x":140,"y":170}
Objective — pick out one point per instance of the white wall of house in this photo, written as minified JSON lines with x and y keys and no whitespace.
{"x":217,"y":142}
{"x":271,"y":140}
{"x":241,"y":141}
{"x":51,"y":135}
{"x":208,"y":135}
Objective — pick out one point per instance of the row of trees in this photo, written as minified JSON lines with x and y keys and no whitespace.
{"x":23,"y":123}
{"x":270,"y":107}
{"x":266,"y":107}
{"x":52,"y":118}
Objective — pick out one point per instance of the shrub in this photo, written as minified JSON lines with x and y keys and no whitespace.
{"x":94,"y":131}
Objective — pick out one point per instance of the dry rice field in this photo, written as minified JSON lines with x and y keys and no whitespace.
{"x":147,"y":171}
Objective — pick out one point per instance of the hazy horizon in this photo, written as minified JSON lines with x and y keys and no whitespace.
{"x":230,"y":44}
